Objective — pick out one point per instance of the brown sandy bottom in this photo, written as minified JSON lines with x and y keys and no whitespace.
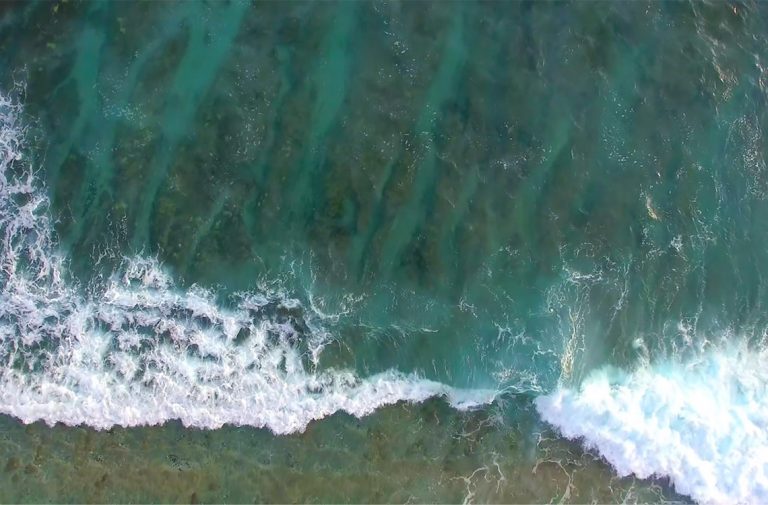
{"x":403,"y":453}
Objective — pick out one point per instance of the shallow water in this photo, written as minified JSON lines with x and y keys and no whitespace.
{"x":274,"y":215}
{"x":422,"y":453}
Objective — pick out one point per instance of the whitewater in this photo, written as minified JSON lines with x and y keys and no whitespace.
{"x":139,"y":350}
{"x":702,"y":423}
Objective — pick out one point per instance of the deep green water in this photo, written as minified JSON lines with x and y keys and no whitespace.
{"x":494,"y":195}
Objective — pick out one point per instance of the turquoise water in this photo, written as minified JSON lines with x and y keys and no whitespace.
{"x":351,"y":251}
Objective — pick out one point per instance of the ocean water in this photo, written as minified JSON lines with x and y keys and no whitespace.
{"x":383,"y":252}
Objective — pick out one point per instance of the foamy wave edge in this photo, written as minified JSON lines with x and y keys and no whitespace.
{"x":703,"y":423}
{"x":142,"y":351}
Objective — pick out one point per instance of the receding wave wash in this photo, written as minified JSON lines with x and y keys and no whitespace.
{"x":419,"y":251}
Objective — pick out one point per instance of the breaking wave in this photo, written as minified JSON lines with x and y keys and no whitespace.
{"x":138,"y":350}
{"x":701,"y":422}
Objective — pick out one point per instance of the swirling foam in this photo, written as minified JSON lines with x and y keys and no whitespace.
{"x":141,"y":351}
{"x":703,"y":423}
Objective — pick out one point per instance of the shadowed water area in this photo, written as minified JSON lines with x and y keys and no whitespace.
{"x":489,"y":195}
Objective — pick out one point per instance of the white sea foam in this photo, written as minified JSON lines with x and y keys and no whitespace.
{"x":703,"y":423}
{"x":140,"y":351}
